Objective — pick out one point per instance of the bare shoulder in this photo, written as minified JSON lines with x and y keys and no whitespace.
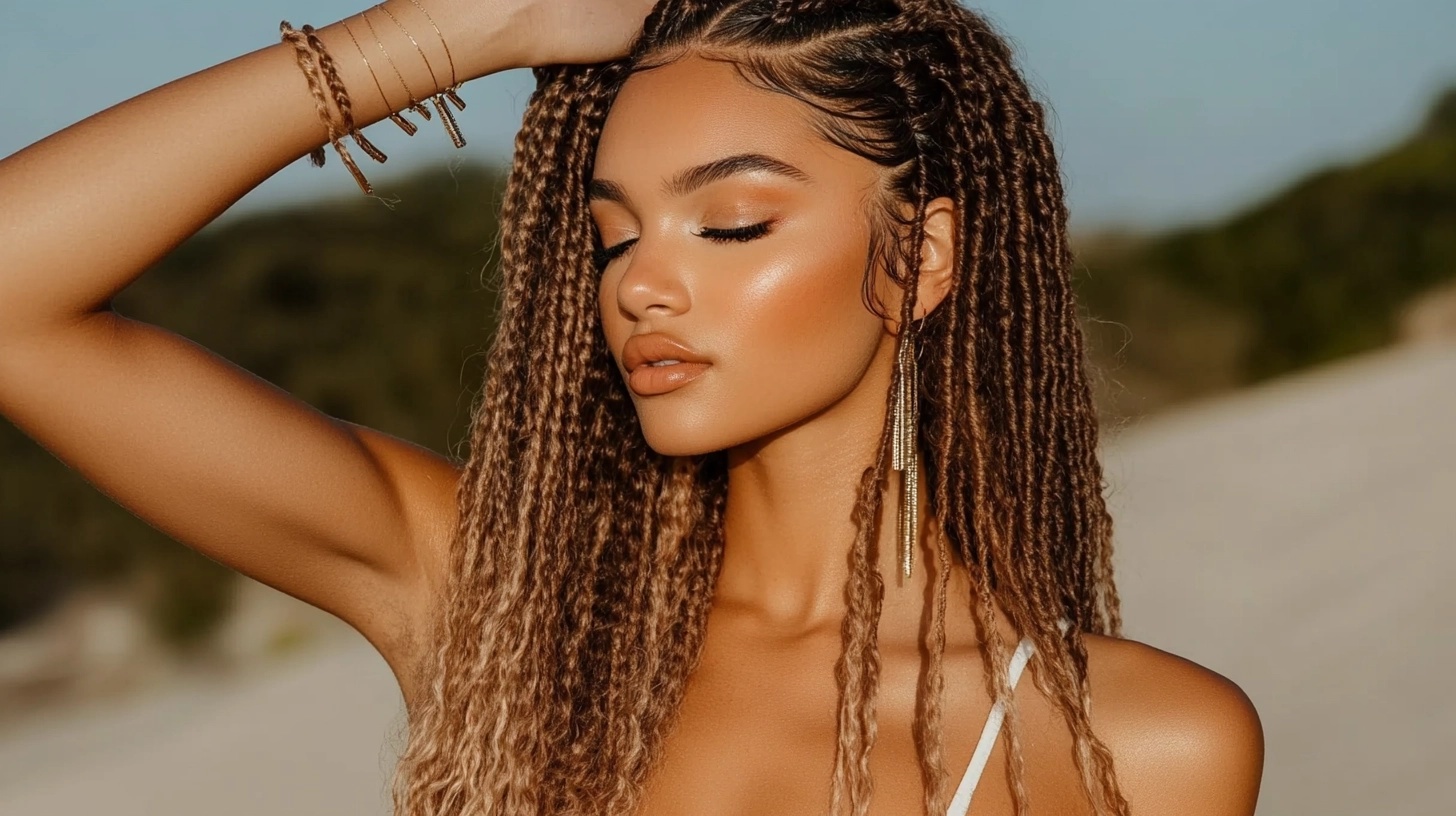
{"x":1184,"y":738}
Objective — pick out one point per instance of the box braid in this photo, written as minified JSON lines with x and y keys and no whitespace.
{"x":584,"y":565}
{"x":1004,"y":176}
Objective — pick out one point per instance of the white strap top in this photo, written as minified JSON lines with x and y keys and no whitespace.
{"x":960,"y":805}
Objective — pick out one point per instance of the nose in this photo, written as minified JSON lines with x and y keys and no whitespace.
{"x":652,"y":284}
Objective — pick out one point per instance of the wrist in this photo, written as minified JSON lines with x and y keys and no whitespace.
{"x":483,"y":36}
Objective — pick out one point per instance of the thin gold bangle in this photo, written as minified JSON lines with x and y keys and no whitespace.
{"x":434,"y":80}
{"x":446,"y":119}
{"x":414,"y":104}
{"x":410,"y":128}
{"x":450,"y":92}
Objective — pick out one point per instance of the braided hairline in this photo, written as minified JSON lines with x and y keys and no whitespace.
{"x":788,"y":10}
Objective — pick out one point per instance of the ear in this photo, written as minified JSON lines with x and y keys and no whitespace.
{"x":937,"y":256}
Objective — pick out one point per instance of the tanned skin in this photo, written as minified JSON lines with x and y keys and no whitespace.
{"x":357,"y":522}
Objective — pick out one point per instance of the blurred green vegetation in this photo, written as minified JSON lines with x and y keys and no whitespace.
{"x":380,"y":316}
{"x":1317,"y":272}
{"x":373,"y":315}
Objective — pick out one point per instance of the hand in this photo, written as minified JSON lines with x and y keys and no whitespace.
{"x":492,"y":35}
{"x":581,"y":31}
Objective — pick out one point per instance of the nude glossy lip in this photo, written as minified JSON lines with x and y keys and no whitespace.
{"x":651,"y":380}
{"x":658,"y":363}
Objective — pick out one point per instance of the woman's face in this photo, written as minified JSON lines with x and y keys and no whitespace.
{"x":736,"y":241}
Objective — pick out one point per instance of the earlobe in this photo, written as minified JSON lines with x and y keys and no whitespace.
{"x":937,"y":256}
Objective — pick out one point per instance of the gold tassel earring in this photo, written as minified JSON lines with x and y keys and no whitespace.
{"x":905,"y":456}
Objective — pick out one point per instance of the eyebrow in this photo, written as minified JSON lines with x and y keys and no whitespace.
{"x":686,"y":181}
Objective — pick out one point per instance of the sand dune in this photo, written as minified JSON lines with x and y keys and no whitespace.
{"x":1298,"y":538}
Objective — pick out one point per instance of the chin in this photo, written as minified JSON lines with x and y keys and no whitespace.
{"x":686,"y":448}
{"x":691,"y":428}
{"x":694,"y":423}
{"x":670,"y":437}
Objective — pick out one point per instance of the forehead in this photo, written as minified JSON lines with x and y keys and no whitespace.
{"x":695,"y":110}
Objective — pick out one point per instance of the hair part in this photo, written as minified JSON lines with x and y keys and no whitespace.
{"x":584,"y":562}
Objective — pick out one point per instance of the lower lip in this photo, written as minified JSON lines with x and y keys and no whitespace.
{"x":651,"y":380}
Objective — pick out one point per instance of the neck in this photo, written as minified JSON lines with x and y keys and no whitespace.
{"x":788,"y":525}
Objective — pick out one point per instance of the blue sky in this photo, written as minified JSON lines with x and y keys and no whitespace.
{"x":1166,"y":111}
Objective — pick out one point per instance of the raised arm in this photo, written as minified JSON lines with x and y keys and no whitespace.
{"x":349,"y":519}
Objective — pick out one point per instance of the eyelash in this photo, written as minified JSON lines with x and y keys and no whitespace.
{"x":605,"y":255}
{"x":747,"y":233}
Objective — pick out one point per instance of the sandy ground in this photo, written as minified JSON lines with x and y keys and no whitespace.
{"x":1298,"y":538}
{"x":309,"y":738}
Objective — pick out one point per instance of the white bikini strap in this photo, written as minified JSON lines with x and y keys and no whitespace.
{"x":961,"y":804}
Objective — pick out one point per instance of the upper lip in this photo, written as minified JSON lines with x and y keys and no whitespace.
{"x":642,"y":349}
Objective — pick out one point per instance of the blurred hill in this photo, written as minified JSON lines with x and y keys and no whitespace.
{"x":1324,"y":269}
{"x":379,"y":316}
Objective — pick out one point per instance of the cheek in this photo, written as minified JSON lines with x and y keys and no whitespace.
{"x":799,"y":332}
{"x":788,"y":331}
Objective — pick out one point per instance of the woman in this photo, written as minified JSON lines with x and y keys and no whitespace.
{"x":786,"y":318}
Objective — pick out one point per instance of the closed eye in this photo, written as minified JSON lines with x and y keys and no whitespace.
{"x":605,"y":255}
{"x":737,"y":233}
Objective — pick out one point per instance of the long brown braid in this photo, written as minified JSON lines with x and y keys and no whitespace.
{"x":585,"y":563}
